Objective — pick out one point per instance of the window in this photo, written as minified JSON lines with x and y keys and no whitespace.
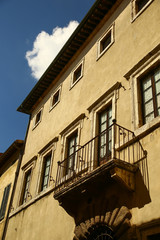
{"x":55,"y":98}
{"x":37,"y":118}
{"x":4,"y":201}
{"x":26,"y":193}
{"x":138,"y":6}
{"x":71,"y":153}
{"x":77,"y":73}
{"x":150,"y":87}
{"x":105,"y":41}
{"x":46,"y":171}
{"x":105,"y":135}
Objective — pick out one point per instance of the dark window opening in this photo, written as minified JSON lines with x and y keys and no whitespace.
{"x":140,"y":4}
{"x":38,"y":117}
{"x":105,"y":42}
{"x":4,"y":201}
{"x":55,"y":98}
{"x":154,"y":237}
{"x":77,"y":74}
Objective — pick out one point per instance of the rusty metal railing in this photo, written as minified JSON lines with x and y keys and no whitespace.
{"x":117,"y":142}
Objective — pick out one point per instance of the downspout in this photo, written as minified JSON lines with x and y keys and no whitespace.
{"x":15,"y":183}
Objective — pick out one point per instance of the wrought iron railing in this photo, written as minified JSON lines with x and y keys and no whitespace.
{"x":116,"y":142}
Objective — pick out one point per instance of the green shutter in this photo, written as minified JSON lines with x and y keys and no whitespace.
{"x":4,"y":201}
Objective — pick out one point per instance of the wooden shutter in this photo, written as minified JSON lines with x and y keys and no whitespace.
{"x":4,"y":201}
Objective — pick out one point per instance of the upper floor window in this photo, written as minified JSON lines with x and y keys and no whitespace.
{"x":4,"y":201}
{"x":55,"y":98}
{"x":77,"y":73}
{"x":37,"y":118}
{"x":105,"y":41}
{"x":150,"y":86}
{"x":139,"y":6}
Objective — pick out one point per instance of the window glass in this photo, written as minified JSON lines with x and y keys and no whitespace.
{"x":26,"y":186}
{"x":105,"y":139}
{"x":72,"y":147}
{"x":151,"y":95}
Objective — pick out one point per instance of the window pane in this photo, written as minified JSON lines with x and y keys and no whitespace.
{"x":148,"y":108}
{"x":157,"y":87}
{"x":149,"y":117}
{"x":157,"y":75}
{"x":103,"y":117}
{"x":103,"y":126}
{"x":158,"y":100}
{"x":148,"y":95}
{"x":146,"y":83}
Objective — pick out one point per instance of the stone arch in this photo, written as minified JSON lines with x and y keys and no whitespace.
{"x":118,"y":221}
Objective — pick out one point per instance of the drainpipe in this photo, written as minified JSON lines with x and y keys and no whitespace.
{"x":15,"y":183}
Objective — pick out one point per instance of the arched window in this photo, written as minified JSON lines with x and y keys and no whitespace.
{"x":101,"y":233}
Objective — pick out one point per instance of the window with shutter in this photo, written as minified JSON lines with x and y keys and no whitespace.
{"x":4,"y":201}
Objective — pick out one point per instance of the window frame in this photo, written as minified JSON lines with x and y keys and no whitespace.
{"x":134,"y":12}
{"x":25,"y":170}
{"x":58,"y":90}
{"x":42,"y":170}
{"x":43,"y":153}
{"x":71,"y":129}
{"x":73,"y":80}
{"x":111,"y":30}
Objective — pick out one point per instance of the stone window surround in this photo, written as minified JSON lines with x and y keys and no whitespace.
{"x":141,"y":70}
{"x":72,"y":82}
{"x":110,"y":29}
{"x":34,"y":119}
{"x":59,"y":89}
{"x":109,"y":98}
{"x":50,"y":148}
{"x":26,"y":168}
{"x":135,"y":14}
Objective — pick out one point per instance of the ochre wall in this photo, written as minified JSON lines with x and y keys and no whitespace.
{"x":44,"y":218}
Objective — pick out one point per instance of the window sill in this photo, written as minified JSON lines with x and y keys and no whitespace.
{"x":73,"y":84}
{"x":148,"y":128}
{"x":30,"y":202}
{"x":104,"y":51}
{"x":51,"y":108}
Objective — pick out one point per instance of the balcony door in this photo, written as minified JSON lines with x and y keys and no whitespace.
{"x":71,"y":156}
{"x":105,"y":135}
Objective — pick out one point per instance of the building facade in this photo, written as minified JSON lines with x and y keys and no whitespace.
{"x":9,"y":162}
{"x":90,"y":168}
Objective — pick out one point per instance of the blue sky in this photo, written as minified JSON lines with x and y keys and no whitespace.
{"x":26,"y":29}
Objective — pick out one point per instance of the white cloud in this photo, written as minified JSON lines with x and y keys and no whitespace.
{"x":46,"y":47}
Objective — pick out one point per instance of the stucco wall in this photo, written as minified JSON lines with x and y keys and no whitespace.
{"x":44,"y":219}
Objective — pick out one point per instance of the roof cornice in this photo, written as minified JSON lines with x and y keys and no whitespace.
{"x":74,"y":43}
